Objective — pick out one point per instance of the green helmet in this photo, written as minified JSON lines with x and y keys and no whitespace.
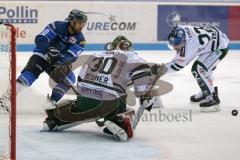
{"x":76,"y":14}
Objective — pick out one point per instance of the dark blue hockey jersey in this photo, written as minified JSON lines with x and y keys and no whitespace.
{"x":56,"y":35}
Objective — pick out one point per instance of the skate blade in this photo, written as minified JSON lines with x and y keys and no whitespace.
{"x":196,"y":103}
{"x":67,"y":126}
{"x":215,"y":108}
{"x":118,"y":132}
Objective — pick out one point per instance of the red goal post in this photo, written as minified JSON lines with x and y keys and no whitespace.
{"x":7,"y":92}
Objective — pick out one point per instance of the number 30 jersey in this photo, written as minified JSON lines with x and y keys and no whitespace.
{"x":106,"y":74}
{"x":199,"y":41}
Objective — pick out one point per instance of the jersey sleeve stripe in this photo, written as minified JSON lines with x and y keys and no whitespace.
{"x":179,"y":66}
{"x":140,"y":71}
{"x":138,"y":68}
{"x":74,"y":55}
{"x":141,"y":75}
{"x":174,"y":68}
{"x":218,"y":39}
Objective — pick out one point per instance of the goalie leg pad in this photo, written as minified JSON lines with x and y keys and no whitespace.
{"x":117,"y":131}
{"x":121,"y":126}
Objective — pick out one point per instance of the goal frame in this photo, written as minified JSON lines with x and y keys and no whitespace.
{"x":12,"y":114}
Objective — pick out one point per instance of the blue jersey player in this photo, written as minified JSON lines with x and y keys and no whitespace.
{"x":60,"y":42}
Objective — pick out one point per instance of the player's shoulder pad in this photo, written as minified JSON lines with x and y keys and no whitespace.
{"x":133,"y":57}
{"x":59,"y":27}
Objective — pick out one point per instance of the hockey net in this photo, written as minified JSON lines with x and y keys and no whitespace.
{"x":7,"y":92}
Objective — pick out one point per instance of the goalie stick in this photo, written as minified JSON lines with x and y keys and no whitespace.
{"x":68,"y":83}
{"x":142,"y":107}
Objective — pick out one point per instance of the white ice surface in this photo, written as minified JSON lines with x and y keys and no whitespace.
{"x":208,"y":136}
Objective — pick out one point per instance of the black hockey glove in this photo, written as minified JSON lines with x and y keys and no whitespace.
{"x":60,"y":72}
{"x":53,"y":55}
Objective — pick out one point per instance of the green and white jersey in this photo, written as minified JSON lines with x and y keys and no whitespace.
{"x":106,"y":74}
{"x":199,"y":41}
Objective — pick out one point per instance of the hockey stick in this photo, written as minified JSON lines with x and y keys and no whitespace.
{"x":63,"y":69}
{"x":68,"y":83}
{"x":142,"y":107}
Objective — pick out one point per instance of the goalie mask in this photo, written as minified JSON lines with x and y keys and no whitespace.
{"x":120,"y":42}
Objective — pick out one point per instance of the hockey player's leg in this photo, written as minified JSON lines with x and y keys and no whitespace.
{"x":202,"y":70}
{"x":34,"y":67}
{"x":211,"y":102}
{"x":199,"y":72}
{"x":58,"y":92}
{"x":207,"y":90}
